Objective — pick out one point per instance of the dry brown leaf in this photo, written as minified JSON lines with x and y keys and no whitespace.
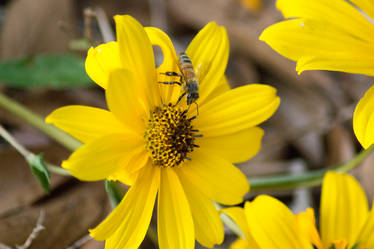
{"x":67,"y":218}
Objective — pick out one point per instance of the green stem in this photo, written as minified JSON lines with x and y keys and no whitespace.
{"x":57,"y":170}
{"x":27,"y":154}
{"x":305,"y":179}
{"x":38,"y":122}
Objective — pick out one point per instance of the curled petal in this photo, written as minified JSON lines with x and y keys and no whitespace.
{"x":169,"y":93}
{"x":136,"y":55}
{"x":101,"y":61}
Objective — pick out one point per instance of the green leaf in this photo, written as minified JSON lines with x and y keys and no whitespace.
{"x":40,"y":170}
{"x":55,"y":71}
{"x":114,"y":191}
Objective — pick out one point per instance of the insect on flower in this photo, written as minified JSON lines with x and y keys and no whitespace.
{"x":187,"y":80}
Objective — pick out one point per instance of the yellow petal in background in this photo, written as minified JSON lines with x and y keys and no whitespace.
{"x":237,"y":147}
{"x":215,"y":177}
{"x":344,"y":208}
{"x":316,"y":46}
{"x":123,"y":100}
{"x":366,"y":238}
{"x":336,"y":14}
{"x":174,"y":220}
{"x":136,"y":55}
{"x":207,"y":223}
{"x":85,"y":123}
{"x":366,"y":6}
{"x":273,"y":225}
{"x":101,"y":61}
{"x":307,"y":225}
{"x":237,"y":214}
{"x":127,"y":225}
{"x":101,"y":157}
{"x":237,"y":109}
{"x":240,"y":244}
{"x":363,"y":119}
{"x":209,"y":53}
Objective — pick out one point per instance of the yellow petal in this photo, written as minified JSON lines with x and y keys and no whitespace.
{"x":123,"y":100}
{"x":136,"y":55}
{"x":174,"y":220}
{"x":366,"y":6}
{"x":307,"y":225}
{"x":209,"y":53}
{"x":366,"y":238}
{"x":237,"y":109}
{"x":127,"y":225}
{"x":215,"y":177}
{"x":169,"y":93}
{"x":316,"y":46}
{"x":273,"y":225}
{"x":240,"y":244}
{"x":237,"y":214}
{"x":344,"y":208}
{"x":84,"y":123}
{"x":363,"y":119}
{"x":340,"y":244}
{"x":235,"y":148}
{"x":222,"y":87}
{"x":336,"y":14}
{"x":101,"y":157}
{"x":207,"y":223}
{"x":130,"y":166}
{"x":101,"y":61}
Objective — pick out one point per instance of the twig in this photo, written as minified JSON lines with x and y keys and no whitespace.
{"x":3,"y":246}
{"x":39,"y":227}
{"x":104,"y":25}
{"x":158,"y":14}
{"x":12,"y":141}
{"x":88,"y":14}
{"x":80,"y":242}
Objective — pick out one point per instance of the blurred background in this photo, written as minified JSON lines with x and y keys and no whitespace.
{"x":43,"y":44}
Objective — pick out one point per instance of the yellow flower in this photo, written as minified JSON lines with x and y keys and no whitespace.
{"x":345,"y":221}
{"x":331,"y":35}
{"x":159,"y":148}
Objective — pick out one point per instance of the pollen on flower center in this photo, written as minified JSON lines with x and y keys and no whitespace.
{"x":169,"y":136}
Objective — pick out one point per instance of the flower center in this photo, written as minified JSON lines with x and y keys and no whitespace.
{"x":170,"y":136}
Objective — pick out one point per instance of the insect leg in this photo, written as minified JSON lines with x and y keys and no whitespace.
{"x":170,"y":82}
{"x":180,"y":98}
{"x":173,"y":74}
